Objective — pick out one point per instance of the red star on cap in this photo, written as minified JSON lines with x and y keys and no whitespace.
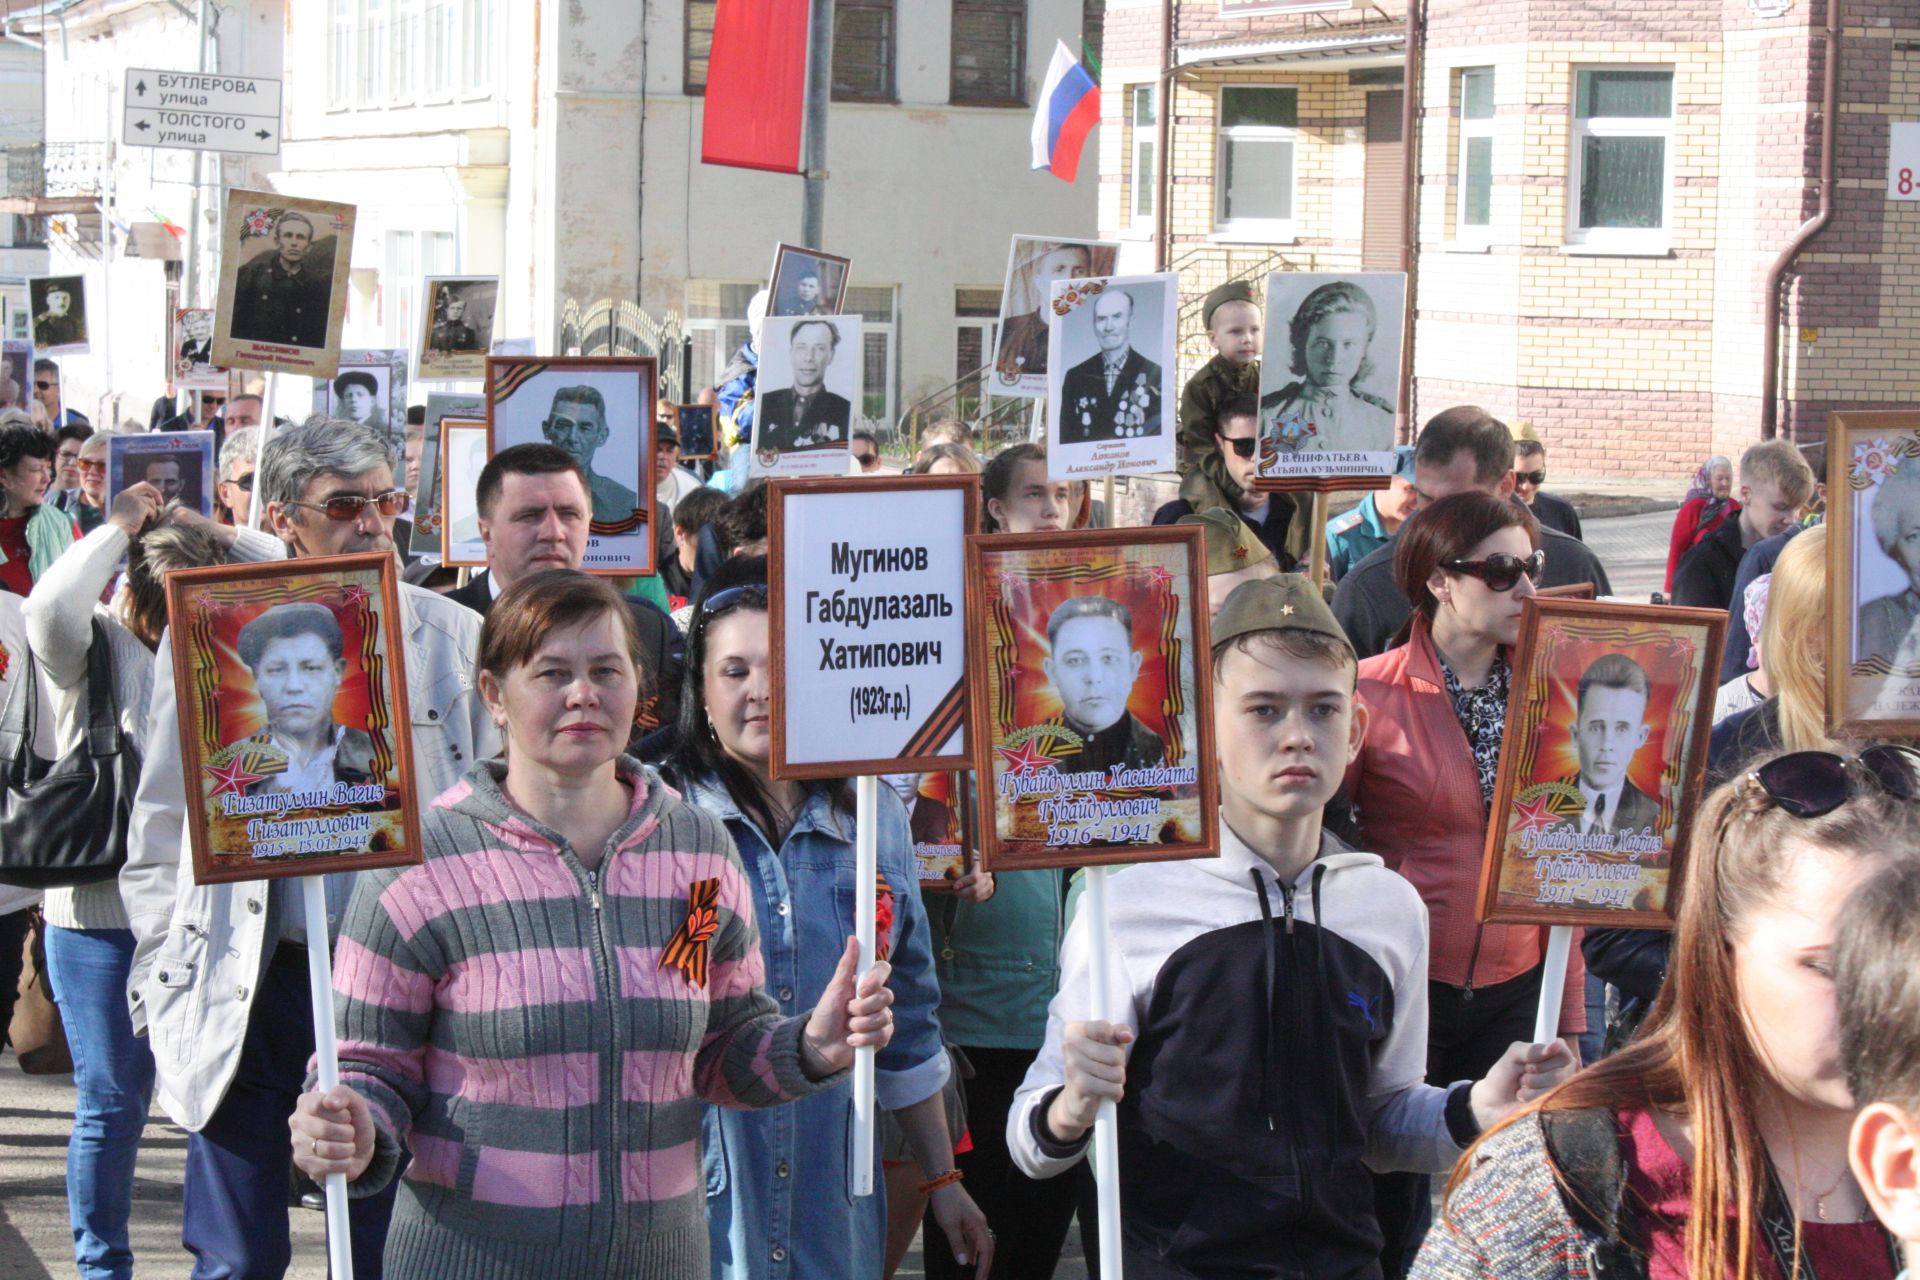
{"x":1534,"y":814}
{"x":233,"y":776}
{"x":1025,"y":759}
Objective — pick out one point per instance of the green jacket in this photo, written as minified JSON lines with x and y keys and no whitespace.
{"x":1203,"y":494}
{"x":998,"y":960}
{"x":1206,"y":392}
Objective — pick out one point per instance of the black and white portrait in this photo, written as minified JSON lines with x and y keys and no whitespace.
{"x":600,"y":409}
{"x":1034,"y":265}
{"x":370,"y":388}
{"x":283,"y":283}
{"x":16,"y":373}
{"x":1110,"y":396}
{"x":807,"y":282}
{"x":809,"y":379}
{"x":179,"y":464}
{"x":59,"y":306}
{"x":1610,"y":726}
{"x":192,"y":367}
{"x":457,"y":326}
{"x":1330,"y":373}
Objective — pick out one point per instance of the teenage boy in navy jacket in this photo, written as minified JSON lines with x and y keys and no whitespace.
{"x":1272,"y":1037}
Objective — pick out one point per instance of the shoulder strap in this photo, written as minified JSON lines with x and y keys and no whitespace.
{"x":1583,"y":1149}
{"x":103,"y":702}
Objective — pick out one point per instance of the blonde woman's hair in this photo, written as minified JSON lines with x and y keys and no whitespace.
{"x":1793,"y":641}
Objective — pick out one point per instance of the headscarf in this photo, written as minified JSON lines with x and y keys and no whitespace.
{"x":1754,"y":611}
{"x":1702,"y":486}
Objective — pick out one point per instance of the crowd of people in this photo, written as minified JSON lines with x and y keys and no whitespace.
{"x":605,"y":1028}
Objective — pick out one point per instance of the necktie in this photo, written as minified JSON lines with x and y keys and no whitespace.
{"x":1598,"y":824}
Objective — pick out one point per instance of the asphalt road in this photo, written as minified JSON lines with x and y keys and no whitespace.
{"x":36,"y":1114}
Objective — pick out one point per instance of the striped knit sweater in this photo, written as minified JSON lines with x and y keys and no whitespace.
{"x":507,"y":1015}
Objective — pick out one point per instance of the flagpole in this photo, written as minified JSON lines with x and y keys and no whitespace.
{"x":814,"y":146}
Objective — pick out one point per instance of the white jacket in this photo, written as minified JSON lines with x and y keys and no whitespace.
{"x":13,"y":664}
{"x":197,"y":948}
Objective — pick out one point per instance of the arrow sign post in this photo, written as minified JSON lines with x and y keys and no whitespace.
{"x":202,"y":112}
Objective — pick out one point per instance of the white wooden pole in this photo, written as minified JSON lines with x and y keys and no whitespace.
{"x":866,"y":852}
{"x":1106,"y":1132}
{"x":1553,"y":982}
{"x":327,"y":1052}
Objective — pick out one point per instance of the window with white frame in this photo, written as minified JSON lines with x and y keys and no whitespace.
{"x":406,"y":50}
{"x":975,"y":314}
{"x":1253,"y":173}
{"x":1621,"y":157}
{"x":1473,"y":209}
{"x":340,"y":40}
{"x":436,"y":61}
{"x":716,"y":321}
{"x":1144,"y":121}
{"x":477,"y":46}
{"x":375,"y":46}
{"x":878,"y":333}
{"x":410,"y":257}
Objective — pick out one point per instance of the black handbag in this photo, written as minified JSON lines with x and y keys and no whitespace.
{"x":65,"y":822}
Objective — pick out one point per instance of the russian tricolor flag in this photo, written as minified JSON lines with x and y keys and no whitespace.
{"x":1069,"y":108}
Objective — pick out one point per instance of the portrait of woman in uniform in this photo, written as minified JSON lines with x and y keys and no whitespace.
{"x":1331,"y":370}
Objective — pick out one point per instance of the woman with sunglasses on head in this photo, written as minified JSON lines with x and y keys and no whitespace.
{"x":1423,"y":785}
{"x":779,"y":1201}
{"x":1714,"y":1145}
{"x":537,"y":1009}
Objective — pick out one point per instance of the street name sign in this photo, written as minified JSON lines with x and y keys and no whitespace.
{"x":199,"y":111}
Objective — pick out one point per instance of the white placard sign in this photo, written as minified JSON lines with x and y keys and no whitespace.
{"x":868,"y":595}
{"x":201,"y":111}
{"x":1111,"y":399}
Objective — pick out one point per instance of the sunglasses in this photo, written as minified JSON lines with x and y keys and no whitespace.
{"x":1809,"y":784}
{"x":243,"y":482}
{"x":1534,"y":478}
{"x":92,"y":466}
{"x":867,"y":461}
{"x":1242,"y":446}
{"x":348,"y":506}
{"x":1501,"y":572}
{"x":46,"y":386}
{"x":752,"y":592}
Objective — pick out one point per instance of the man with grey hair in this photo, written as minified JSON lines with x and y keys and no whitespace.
{"x":1115,"y":392}
{"x":234,"y":492}
{"x":219,"y":978}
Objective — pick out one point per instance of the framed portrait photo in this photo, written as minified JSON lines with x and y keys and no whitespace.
{"x":867,"y":596}
{"x":1090,"y":717}
{"x":1873,"y":566}
{"x":601,"y":410}
{"x":1604,"y":761}
{"x":463,"y":455}
{"x":16,"y":373}
{"x":58,"y":305}
{"x":283,"y":283}
{"x":808,"y":385}
{"x":456,"y":327}
{"x":806,"y":282}
{"x":1330,"y":376}
{"x":946,"y":829}
{"x":694,"y":422}
{"x":190,"y":346}
{"x":180,"y":464}
{"x":293,"y":717}
{"x":1034,"y":264}
{"x":369,"y":388}
{"x":1110,"y":391}
{"x":429,"y":505}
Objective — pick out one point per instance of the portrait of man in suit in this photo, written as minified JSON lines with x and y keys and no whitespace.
{"x":577,"y":422}
{"x":196,"y":334}
{"x":1114,"y":393}
{"x":1610,"y":727}
{"x":1093,"y":664}
{"x":806,"y":415}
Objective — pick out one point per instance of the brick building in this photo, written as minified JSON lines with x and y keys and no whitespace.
{"x":1604,"y":187}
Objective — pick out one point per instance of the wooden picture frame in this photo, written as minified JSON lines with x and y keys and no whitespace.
{"x":1571,"y":591}
{"x":1026,"y":747}
{"x":1554,"y":854}
{"x":230,"y":744}
{"x":851,"y":576}
{"x":1873,"y":671}
{"x":429,"y":506}
{"x":461,"y":546}
{"x":694,"y":424}
{"x":784,"y":290}
{"x":520,"y":397}
{"x":454,"y":348}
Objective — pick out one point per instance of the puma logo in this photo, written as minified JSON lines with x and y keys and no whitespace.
{"x":1365,"y":1006}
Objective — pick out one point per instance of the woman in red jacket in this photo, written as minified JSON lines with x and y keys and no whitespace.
{"x":1708,"y":503}
{"x":1423,"y":784}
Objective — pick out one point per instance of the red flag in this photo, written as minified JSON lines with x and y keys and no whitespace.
{"x":756,"y":85}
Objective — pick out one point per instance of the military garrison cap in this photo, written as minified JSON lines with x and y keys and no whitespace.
{"x":1231,"y":543}
{"x":1220,"y":295}
{"x":1273,"y":604}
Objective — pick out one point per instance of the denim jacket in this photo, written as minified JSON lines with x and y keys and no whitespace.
{"x":780,"y":1182}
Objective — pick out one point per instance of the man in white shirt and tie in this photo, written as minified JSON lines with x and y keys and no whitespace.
{"x":1610,"y":726}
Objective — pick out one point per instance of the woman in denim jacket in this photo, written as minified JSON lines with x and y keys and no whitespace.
{"x":780,"y":1186}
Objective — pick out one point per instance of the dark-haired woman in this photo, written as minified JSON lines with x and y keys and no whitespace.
{"x":780,"y":1202}
{"x":1018,"y":495}
{"x":1715,"y":1144}
{"x":537,"y":1010}
{"x":1423,"y":785}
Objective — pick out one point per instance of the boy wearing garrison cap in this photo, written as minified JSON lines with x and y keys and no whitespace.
{"x":1234,"y":555}
{"x":1208,"y":478}
{"x":1270,"y":1003}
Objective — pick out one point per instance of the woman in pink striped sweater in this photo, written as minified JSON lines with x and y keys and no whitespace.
{"x":536,"y":1012}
